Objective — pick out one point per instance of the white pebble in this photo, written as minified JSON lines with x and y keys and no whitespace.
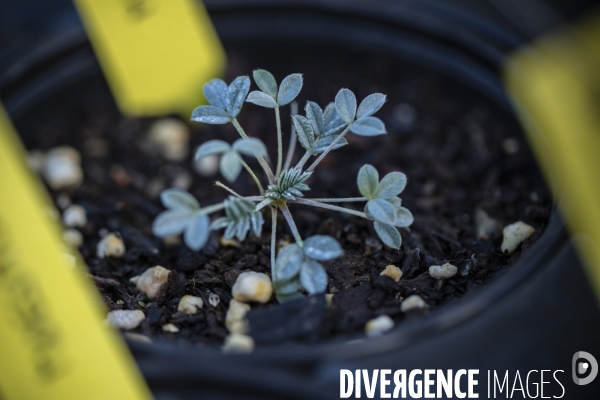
{"x":73,"y":237}
{"x":514,"y":235}
{"x":36,"y":160}
{"x":125,"y":319}
{"x":207,"y":166}
{"x":74,"y":216}
{"x":138,"y":338}
{"x":190,"y":304}
{"x":183,"y":181}
{"x":171,"y":136}
{"x":413,"y":302}
{"x":62,"y":168}
{"x":444,"y":271}
{"x":378,"y":326}
{"x":252,"y":286}
{"x":393,"y":272}
{"x":484,"y":224}
{"x":214,"y":299}
{"x":329,"y":300}
{"x":151,"y":281}
{"x":235,"y":320}
{"x":238,"y":343}
{"x":63,"y":201}
{"x":229,"y":242}
{"x":170,"y":328}
{"x":111,"y":245}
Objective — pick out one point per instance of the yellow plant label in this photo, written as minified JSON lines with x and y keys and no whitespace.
{"x":555,"y":85}
{"x":155,"y":54}
{"x":53,"y":342}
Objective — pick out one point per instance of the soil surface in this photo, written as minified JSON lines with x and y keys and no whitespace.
{"x":459,"y":151}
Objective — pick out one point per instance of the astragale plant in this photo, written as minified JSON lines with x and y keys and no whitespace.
{"x":319,"y":131}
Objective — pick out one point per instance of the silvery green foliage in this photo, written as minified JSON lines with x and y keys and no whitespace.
{"x":183,"y":215}
{"x":360,"y":120}
{"x":384,"y":206}
{"x":240,"y":218}
{"x":290,"y":185}
{"x":230,"y":165}
{"x":318,"y":129}
{"x":270,"y":95}
{"x":225,"y":101}
{"x":298,"y":265}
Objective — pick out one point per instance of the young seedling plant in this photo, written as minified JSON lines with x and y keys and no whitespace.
{"x":319,"y":131}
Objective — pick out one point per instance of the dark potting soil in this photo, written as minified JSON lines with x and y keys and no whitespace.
{"x":459,"y":151}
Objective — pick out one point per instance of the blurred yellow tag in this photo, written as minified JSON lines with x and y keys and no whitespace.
{"x":53,"y":343}
{"x":155,"y":54}
{"x":555,"y":84}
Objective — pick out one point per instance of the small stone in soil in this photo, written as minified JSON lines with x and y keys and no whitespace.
{"x":73,"y":237}
{"x":111,"y":245}
{"x":444,"y":271}
{"x":393,"y":272}
{"x":238,"y":343}
{"x":213,"y":299}
{"x":378,"y":326}
{"x":190,"y":304}
{"x":514,"y":235}
{"x":62,"y":168}
{"x":252,"y":286}
{"x":171,"y":138}
{"x":74,"y":216}
{"x":414,"y":302}
{"x":138,"y":338}
{"x":170,"y":328}
{"x":151,"y":280}
{"x":235,"y":320}
{"x":207,"y":166}
{"x":125,"y":319}
{"x":484,"y":225}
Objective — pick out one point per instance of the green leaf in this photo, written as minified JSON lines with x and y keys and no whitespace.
{"x":287,"y":286}
{"x":289,"y":89}
{"x":404,"y":218}
{"x":381,"y":211}
{"x":304,"y":130}
{"x":315,"y":116}
{"x":215,"y":92}
{"x":391,"y":185}
{"x":197,"y":232}
{"x":396,"y":201}
{"x":230,"y":230}
{"x":266,"y":82}
{"x":288,"y":261}
{"x":368,"y":180}
{"x":313,"y":277}
{"x":388,"y":235}
{"x":345,"y":104}
{"x":219,"y":223}
{"x":236,"y":95}
{"x":261,"y":99}
{"x":370,"y":105}
{"x":171,"y":222}
{"x":368,"y":126}
{"x":211,"y":147}
{"x":322,"y":248}
{"x":257,"y":223}
{"x":250,"y":147}
{"x":230,"y":165}
{"x":210,"y":115}
{"x":323,"y":143}
{"x":179,"y":199}
{"x":243,"y":226}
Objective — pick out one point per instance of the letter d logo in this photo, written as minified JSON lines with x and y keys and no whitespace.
{"x":583,"y":367}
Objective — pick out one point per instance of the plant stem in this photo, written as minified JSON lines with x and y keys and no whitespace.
{"x":290,"y":220}
{"x":328,"y":149}
{"x":263,"y":163}
{"x":230,"y":190}
{"x":303,"y":160}
{"x":330,"y":207}
{"x":293,"y":139}
{"x":253,"y":175}
{"x":273,"y":241}
{"x":212,"y":209}
{"x":279,"y":143}
{"x":341,"y":200}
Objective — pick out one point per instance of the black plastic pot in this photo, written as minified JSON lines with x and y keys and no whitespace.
{"x":536,"y":316}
